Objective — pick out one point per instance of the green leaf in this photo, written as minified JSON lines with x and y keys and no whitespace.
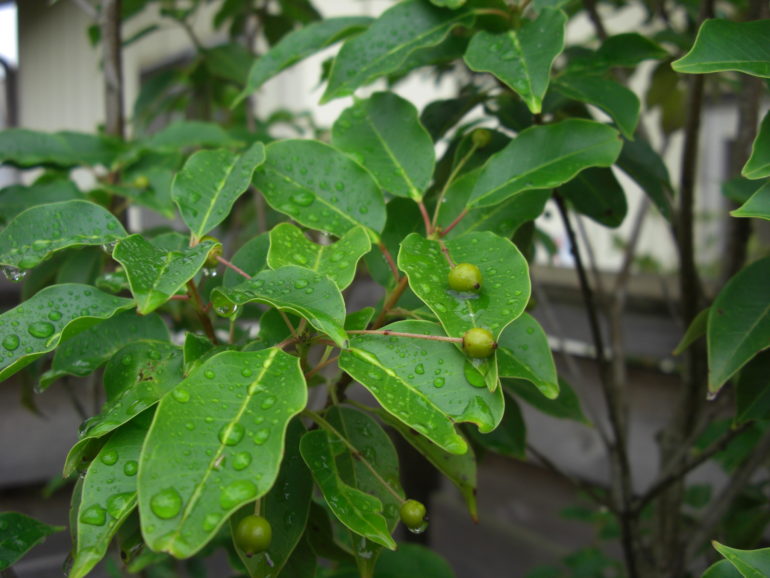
{"x":300,"y":291}
{"x":640,"y":162}
{"x":566,"y":406}
{"x":750,"y":563}
{"x":620,"y":103}
{"x":629,"y":49}
{"x":386,"y":44}
{"x":723,"y":45}
{"x":338,"y":261}
{"x":510,"y":437}
{"x":135,"y":379}
{"x":286,"y":507}
{"x":192,"y":479}
{"x":345,"y":197}
{"x":209,"y":184}
{"x":523,"y":352}
{"x":17,"y":198}
{"x":422,"y":383}
{"x":108,"y":495}
{"x":373,"y":445}
{"x":403,"y":217}
{"x":758,"y":205}
{"x":357,"y":510}
{"x":521,"y":58}
{"x":752,"y":390}
{"x":154,"y":274}
{"x":359,"y":319}
{"x":384,"y":134}
{"x":597,"y":194}
{"x":413,"y":560}
{"x":722,"y":569}
{"x":544,"y":157}
{"x":26,"y":148}
{"x":298,"y":45}
{"x":695,"y":331}
{"x":24,"y":243}
{"x":439,"y":116}
{"x":52,"y":315}
{"x":739,"y":323}
{"x":89,"y":350}
{"x":187,"y":134}
{"x":19,"y":534}
{"x":758,"y":165}
{"x":251,"y":258}
{"x":460,"y":469}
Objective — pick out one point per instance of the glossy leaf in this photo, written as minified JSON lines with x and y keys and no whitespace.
{"x":521,"y":58}
{"x":24,"y":243}
{"x":51,"y":316}
{"x":460,"y":469}
{"x":758,"y":205}
{"x":209,"y":184}
{"x":543,"y":157}
{"x":357,"y":510}
{"x":19,"y":534}
{"x":440,"y":116}
{"x":566,"y":406}
{"x":739,"y":323}
{"x":750,"y":563}
{"x":17,"y":198}
{"x":108,"y":495}
{"x":89,"y":350}
{"x":306,"y":293}
{"x":251,"y":258}
{"x":192,"y":478}
{"x":722,"y":569}
{"x":338,"y":261}
{"x":640,"y":162}
{"x":723,"y":45}
{"x":510,"y":437}
{"x":319,"y":187}
{"x":695,"y":331}
{"x":422,"y":383}
{"x":386,"y":44}
{"x":629,"y":49}
{"x":298,"y":45}
{"x":523,"y":352}
{"x":758,"y":165}
{"x":384,"y":134}
{"x":752,"y":390}
{"x":154,"y":275}
{"x":135,"y":379}
{"x":286,"y":507}
{"x":413,"y":560}
{"x":26,"y":148}
{"x":597,"y":194}
{"x":619,"y":102}
{"x":403,"y":217}
{"x":187,"y":134}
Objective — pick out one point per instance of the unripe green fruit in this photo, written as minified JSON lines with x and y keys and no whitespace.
{"x":413,"y":515}
{"x":253,"y":534}
{"x":481,"y":137}
{"x":211,"y":259}
{"x":141,"y":182}
{"x":465,"y":277}
{"x":478,"y":342}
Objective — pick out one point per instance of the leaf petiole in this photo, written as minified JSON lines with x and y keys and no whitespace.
{"x":402,"y":334}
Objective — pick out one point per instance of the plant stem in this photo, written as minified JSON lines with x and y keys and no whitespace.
{"x":358,"y":456}
{"x":288,"y":323}
{"x":425,"y":219}
{"x":321,"y":365}
{"x":229,"y":265}
{"x":411,"y":335}
{"x":205,"y":320}
{"x":393,"y":298}
{"x":450,"y":180}
{"x":445,"y":252}
{"x":454,"y":223}
{"x":389,"y":258}
{"x":113,"y":67}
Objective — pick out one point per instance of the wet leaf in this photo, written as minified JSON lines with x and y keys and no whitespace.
{"x":344,"y":196}
{"x":26,"y":148}
{"x":384,"y":134}
{"x":51,"y":316}
{"x":422,"y":383}
{"x":695,"y":331}
{"x":192,"y":478}
{"x":17,"y":198}
{"x":251,"y":258}
{"x":413,"y":560}
{"x":19,"y":534}
{"x":758,"y":205}
{"x":523,"y":352}
{"x":510,"y":437}
{"x":566,"y":406}
{"x":752,"y":393}
{"x":758,"y":165}
{"x":24,"y":243}
{"x":338,"y":261}
{"x":640,"y":162}
{"x":597,"y":194}
{"x":187,"y":134}
{"x":750,"y":563}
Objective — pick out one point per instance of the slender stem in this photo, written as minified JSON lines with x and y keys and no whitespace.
{"x":454,"y":223}
{"x":356,"y":454}
{"x":425,"y":219}
{"x":445,"y":252}
{"x":393,"y":298}
{"x":410,"y":335}
{"x":321,"y":365}
{"x":286,"y":342}
{"x":288,"y":323}
{"x":596,"y":20}
{"x":180,"y":298}
{"x":452,"y":176}
{"x":235,"y":268}
{"x":201,"y":311}
{"x":389,"y":258}
{"x":112,"y":62}
{"x":493,"y":12}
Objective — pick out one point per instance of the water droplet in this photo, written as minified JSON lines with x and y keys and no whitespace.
{"x":237,"y":493}
{"x":109,"y":458}
{"x":339,"y":185}
{"x":439,"y":382}
{"x":41,"y":329}
{"x":300,"y":284}
{"x":94,"y":515}
{"x":166,"y":503}
{"x":530,"y":330}
{"x":130,"y":468}
{"x":11,"y":342}
{"x":473,"y":376}
{"x":241,"y":460}
{"x":231,"y":434}
{"x":54,"y":315}
{"x":117,"y":503}
{"x":268,"y":402}
{"x":303,"y":199}
{"x":419,"y":529}
{"x":246,"y":372}
{"x":419,"y":369}
{"x":299,"y":258}
{"x":208,"y":374}
{"x":210,"y":521}
{"x":261,"y":436}
{"x":13,"y":274}
{"x":181,"y":395}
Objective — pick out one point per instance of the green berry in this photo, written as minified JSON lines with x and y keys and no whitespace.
{"x":141,"y":182}
{"x":481,"y":137}
{"x":253,"y":534}
{"x":465,"y":277}
{"x":479,"y":342}
{"x":413,"y":515}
